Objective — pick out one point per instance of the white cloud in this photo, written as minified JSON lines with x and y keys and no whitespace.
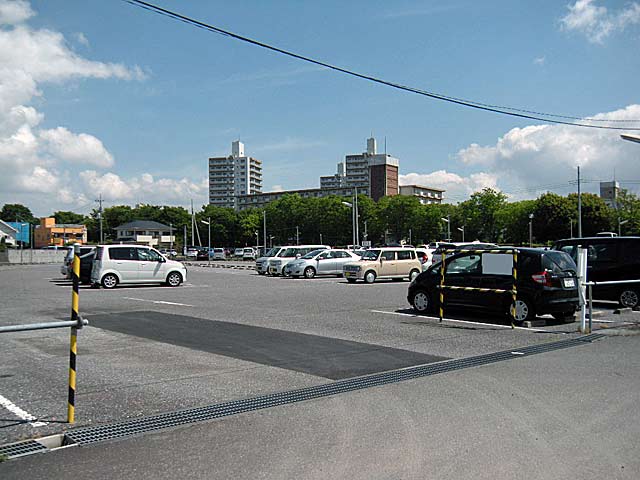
{"x":456,"y":187}
{"x":547,"y":155}
{"x":539,"y":60}
{"x":277,"y":188}
{"x":596,"y":22}
{"x":81,"y":39}
{"x":78,"y":148}
{"x":14,"y":12}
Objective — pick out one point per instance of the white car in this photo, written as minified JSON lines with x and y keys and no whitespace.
{"x":116,"y":264}
{"x":277,"y":263}
{"x":248,"y":253}
{"x":320,"y":262}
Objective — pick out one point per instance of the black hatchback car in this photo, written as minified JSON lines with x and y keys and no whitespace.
{"x":546,"y":284}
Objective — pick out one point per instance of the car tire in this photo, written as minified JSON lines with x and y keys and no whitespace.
{"x":413,"y":275}
{"x":629,"y":298}
{"x":309,"y":272}
{"x":421,"y":302}
{"x":109,"y":281}
{"x":260,"y":273}
{"x":370,"y":276}
{"x":174,"y":279}
{"x":524,"y":311}
{"x":351,"y":280}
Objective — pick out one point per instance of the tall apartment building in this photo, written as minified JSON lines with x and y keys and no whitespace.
{"x":609,"y":193}
{"x":232,"y":176}
{"x":377,"y":172}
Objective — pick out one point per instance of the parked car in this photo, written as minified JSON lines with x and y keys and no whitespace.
{"x":204,"y":254}
{"x":192,"y":253}
{"x":262,"y":263}
{"x":218,"y":254}
{"x":609,"y":259}
{"x":320,"y":262}
{"x":248,"y":253}
{"x":287,"y":254}
{"x":238,"y":252}
{"x":115,"y":264}
{"x":67,"y":263}
{"x":546,"y":284}
{"x":86,"y":266}
{"x":388,"y":262}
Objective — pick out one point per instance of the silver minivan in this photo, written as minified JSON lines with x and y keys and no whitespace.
{"x":116,"y":264}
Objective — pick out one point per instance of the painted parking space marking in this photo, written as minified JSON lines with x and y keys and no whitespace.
{"x":24,"y":415}
{"x":161,"y":302}
{"x":465,"y":321}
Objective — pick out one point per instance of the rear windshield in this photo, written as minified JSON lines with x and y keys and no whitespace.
{"x":558,"y":261}
{"x":99,"y":253}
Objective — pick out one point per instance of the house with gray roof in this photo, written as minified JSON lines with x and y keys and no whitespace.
{"x":145,"y":232}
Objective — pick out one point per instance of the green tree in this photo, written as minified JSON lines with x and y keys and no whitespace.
{"x":596,"y":215}
{"x":627,"y":211}
{"x":479,"y":214}
{"x":69,"y":217}
{"x":513,"y":222}
{"x":552,"y":217}
{"x":12,"y":212}
{"x":113,"y":217}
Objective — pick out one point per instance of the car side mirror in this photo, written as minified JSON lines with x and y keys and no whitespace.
{"x":162,"y":260}
{"x":298,"y":255}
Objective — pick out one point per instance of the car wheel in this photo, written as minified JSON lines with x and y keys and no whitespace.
{"x":413,"y":275}
{"x":421,"y":302}
{"x":309,"y":272}
{"x":629,"y":298}
{"x":351,"y":280}
{"x":174,"y":279}
{"x":109,"y":280}
{"x":524,"y":311}
{"x":260,"y":272}
{"x":370,"y":276}
{"x":282,"y":272}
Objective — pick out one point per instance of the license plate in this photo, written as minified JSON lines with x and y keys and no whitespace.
{"x":347,"y":274}
{"x":569,"y":282}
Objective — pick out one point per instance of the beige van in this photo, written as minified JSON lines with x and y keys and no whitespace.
{"x":396,"y":263}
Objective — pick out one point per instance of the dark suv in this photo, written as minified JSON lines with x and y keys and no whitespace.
{"x":609,"y":259}
{"x":546,"y":283}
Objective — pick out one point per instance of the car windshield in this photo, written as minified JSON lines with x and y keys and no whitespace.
{"x":289,"y":252}
{"x":313,"y":253}
{"x":559,"y":261}
{"x":272,"y":252}
{"x":370,"y":255}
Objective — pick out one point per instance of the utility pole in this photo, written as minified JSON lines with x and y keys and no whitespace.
{"x":193,"y":224}
{"x":184,"y":241}
{"x":99,"y":200}
{"x":579,"y":207}
{"x":410,"y":237}
{"x":297,"y":235}
{"x":357,"y":217}
{"x":170,"y":238}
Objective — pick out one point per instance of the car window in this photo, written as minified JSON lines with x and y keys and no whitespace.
{"x":629,"y":251}
{"x":342,"y":255}
{"x":602,"y":252}
{"x":389,"y":255}
{"x":324,"y":256}
{"x":465,"y":264}
{"x":312,"y":254}
{"x":370,"y":255}
{"x":123,"y":253}
{"x":405,"y":255}
{"x":570,"y":250}
{"x":147,"y":255}
{"x":99,"y":253}
{"x":558,"y":262}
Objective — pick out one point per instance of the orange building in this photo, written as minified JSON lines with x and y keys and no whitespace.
{"x":50,"y":233}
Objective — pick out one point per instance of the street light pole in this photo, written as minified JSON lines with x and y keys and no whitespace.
{"x":448,"y":220}
{"x":579,"y":207}
{"x":530,"y":230}
{"x":462,"y":230}
{"x":208,"y":223}
{"x":620,"y":223}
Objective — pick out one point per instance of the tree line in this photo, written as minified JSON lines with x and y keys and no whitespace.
{"x":487,"y":216}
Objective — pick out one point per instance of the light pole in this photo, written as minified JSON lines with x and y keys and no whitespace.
{"x":631,"y":138}
{"x":257,"y":240}
{"x":462,"y":230}
{"x":353,"y":224}
{"x":271,"y":237}
{"x":620,"y":223}
{"x":530,"y":230}
{"x":448,"y":220}
{"x":170,"y":239}
{"x":208,"y":224}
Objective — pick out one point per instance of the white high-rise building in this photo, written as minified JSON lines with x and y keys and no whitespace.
{"x":234,"y":175}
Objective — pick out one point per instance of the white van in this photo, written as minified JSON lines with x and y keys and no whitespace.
{"x":116,"y":264}
{"x":277,"y":263}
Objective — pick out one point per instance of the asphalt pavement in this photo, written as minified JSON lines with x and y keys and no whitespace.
{"x":230,"y":334}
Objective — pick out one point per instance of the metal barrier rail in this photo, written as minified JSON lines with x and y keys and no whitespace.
{"x":514,"y":274}
{"x":590,"y":286}
{"x":44,"y":326}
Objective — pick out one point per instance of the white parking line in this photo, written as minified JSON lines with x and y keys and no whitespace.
{"x":463,"y":321}
{"x":158,"y":301}
{"x":13,"y":408}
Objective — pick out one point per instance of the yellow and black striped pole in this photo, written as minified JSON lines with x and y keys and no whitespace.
{"x":75,"y":297}
{"x":514,"y":290}
{"x":442,"y":286}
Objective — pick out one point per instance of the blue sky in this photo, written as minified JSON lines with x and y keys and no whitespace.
{"x":102,"y":97}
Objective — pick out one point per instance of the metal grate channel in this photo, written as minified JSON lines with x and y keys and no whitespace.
{"x":100,"y":433}
{"x":19,"y":449}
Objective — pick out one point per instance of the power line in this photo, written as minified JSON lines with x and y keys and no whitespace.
{"x":514,"y":112}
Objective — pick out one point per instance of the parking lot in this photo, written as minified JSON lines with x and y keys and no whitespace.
{"x":226,"y":334}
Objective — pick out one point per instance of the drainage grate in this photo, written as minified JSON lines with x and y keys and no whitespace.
{"x":19,"y":449}
{"x":100,"y":433}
